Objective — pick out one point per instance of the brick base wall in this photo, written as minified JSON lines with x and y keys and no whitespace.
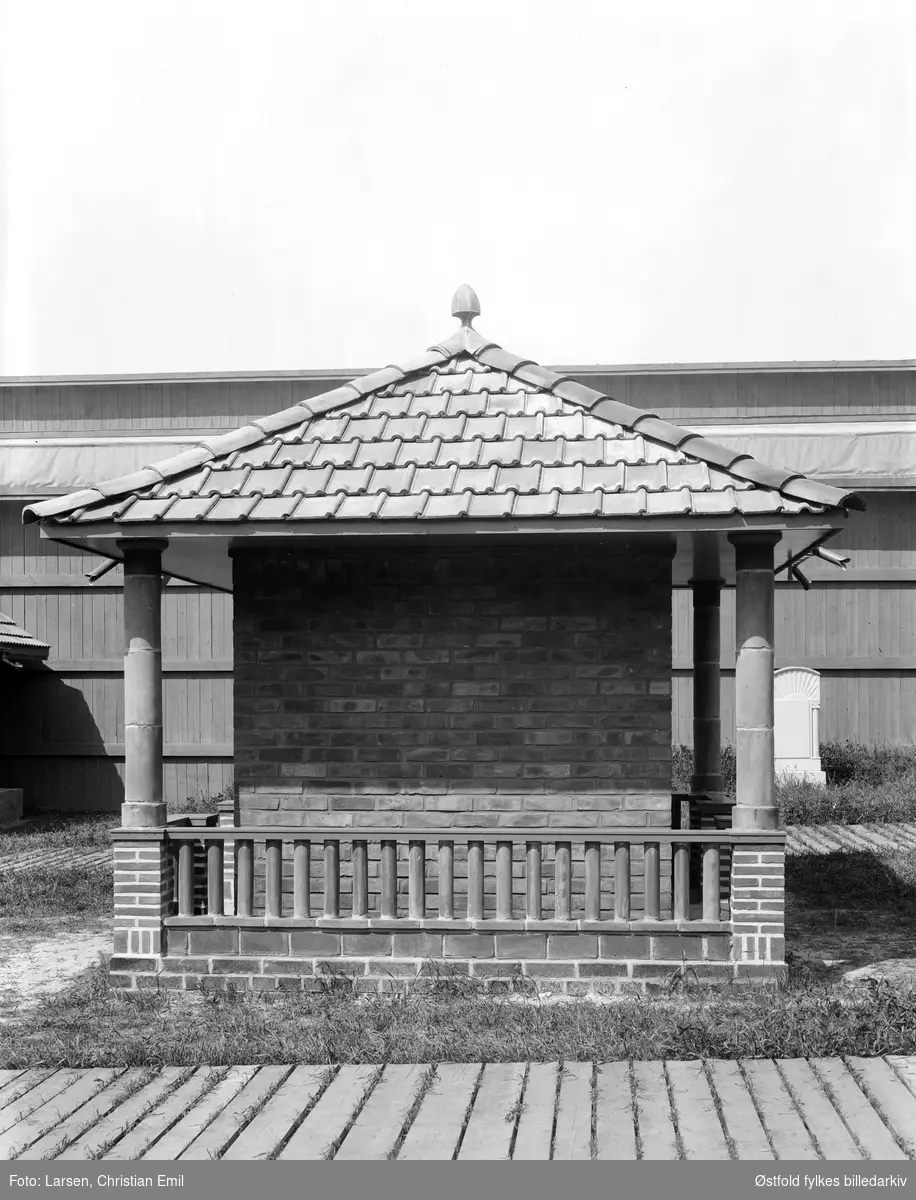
{"x":636,"y":956}
{"x":502,"y":687}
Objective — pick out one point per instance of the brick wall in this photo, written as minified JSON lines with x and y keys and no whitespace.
{"x":496,"y":687}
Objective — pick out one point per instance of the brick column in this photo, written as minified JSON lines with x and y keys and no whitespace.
{"x":758,"y":906}
{"x":143,"y":890}
{"x":755,"y":806}
{"x":707,"y":719}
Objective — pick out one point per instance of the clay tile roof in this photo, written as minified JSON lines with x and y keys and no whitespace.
{"x":466,"y":430}
{"x":16,"y":643}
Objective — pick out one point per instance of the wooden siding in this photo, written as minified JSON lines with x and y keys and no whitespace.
{"x":63,"y":732}
{"x":855,"y":627}
{"x":174,"y":405}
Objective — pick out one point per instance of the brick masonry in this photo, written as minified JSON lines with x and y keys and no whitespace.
{"x":470,"y":688}
{"x":758,"y":906}
{"x":144,"y":887}
{"x":260,"y":957}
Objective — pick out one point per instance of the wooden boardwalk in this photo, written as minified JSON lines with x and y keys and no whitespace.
{"x":752,"y":1109}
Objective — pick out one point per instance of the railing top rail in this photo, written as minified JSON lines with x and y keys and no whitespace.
{"x":261,"y":833}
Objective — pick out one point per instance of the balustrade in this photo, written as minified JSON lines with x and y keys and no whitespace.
{"x":532,"y":876}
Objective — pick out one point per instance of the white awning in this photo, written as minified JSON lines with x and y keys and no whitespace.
{"x":860,"y":455}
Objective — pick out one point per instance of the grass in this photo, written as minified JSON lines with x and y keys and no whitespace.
{"x":67,"y":895}
{"x":447,"y":1019}
{"x":865,"y":785}
{"x":855,"y":881}
{"x":92,"y":1026}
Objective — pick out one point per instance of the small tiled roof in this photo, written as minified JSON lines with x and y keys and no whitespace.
{"x":466,"y":430}
{"x":16,"y":643}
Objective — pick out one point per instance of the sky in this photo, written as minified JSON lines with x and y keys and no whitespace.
{"x":275,"y":185}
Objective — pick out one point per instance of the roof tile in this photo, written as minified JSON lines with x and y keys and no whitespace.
{"x":609,"y":477}
{"x":720,"y":503}
{"x":448,"y":508}
{"x":436,"y":480}
{"x":422,"y":454}
{"x":563,"y":479}
{"x":286,"y":419}
{"x":377,"y":454}
{"x":463,"y":454}
{"x":148,"y":510}
{"x":274,"y":508}
{"x":466,"y":429}
{"x":625,"y":504}
{"x":267,"y":481}
{"x":296,"y":456}
{"x":491,"y":507}
{"x":540,"y":504}
{"x":337,"y":454}
{"x":587,"y":450}
{"x":359,"y":508}
{"x":191,"y":508}
{"x":317,"y":508}
{"x":351,"y":480}
{"x":135,"y":482}
{"x":665,"y":504}
{"x":523,"y":480}
{"x":581,"y":504}
{"x":653,"y":477}
{"x":394,"y":480}
{"x":711,"y":452}
{"x":577,"y":393}
{"x":619,"y":414}
{"x":232,"y":508}
{"x":404,"y":508}
{"x":505,"y":453}
{"x":310,"y":481}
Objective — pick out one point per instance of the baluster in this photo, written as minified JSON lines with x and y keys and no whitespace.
{"x":186,"y":878}
{"x":504,"y":881}
{"x":215,"y":878}
{"x":416,"y":879}
{"x":653,"y":881}
{"x":302,"y":879}
{"x":475,"y":881}
{"x":681,"y":881}
{"x":244,"y":883}
{"x":593,"y":881}
{"x":562,"y":881}
{"x":533,"y":872}
{"x":389,"y":879}
{"x":711,"y":881}
{"x":361,"y":878}
{"x":332,"y":878}
{"x":446,"y":880}
{"x":273,"y":899}
{"x":621,"y":881}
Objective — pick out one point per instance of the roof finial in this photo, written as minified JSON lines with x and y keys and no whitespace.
{"x":465,"y":305}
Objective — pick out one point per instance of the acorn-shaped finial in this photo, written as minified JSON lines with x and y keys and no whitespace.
{"x":465,"y":305}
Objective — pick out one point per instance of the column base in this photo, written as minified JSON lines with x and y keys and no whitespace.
{"x":143,"y":816}
{"x":747,"y":816}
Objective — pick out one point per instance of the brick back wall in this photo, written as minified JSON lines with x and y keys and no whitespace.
{"x":493,"y":687}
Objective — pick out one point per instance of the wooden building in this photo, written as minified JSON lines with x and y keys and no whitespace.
{"x":848,"y":424}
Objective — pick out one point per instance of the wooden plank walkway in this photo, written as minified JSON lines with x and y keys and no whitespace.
{"x":831,"y":1109}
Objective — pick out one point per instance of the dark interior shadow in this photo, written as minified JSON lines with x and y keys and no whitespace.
{"x":51,"y":746}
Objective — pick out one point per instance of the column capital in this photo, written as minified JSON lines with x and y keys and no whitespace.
{"x":706,"y":592}
{"x":754,"y":550}
{"x":142,"y":556}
